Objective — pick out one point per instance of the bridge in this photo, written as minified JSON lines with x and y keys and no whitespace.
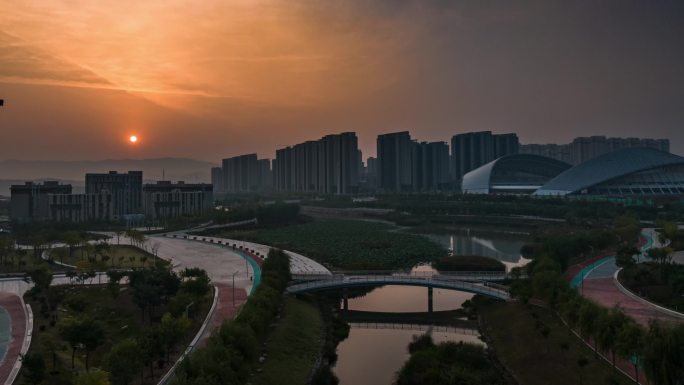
{"x":471,"y":282}
{"x":417,"y":327}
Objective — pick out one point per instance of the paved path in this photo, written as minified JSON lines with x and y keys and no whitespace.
{"x":12,"y":303}
{"x":599,"y":285}
{"x":299,"y":264}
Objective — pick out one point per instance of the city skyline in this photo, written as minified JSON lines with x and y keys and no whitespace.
{"x":262,"y":75}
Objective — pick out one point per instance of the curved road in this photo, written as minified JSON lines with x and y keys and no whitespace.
{"x":600,"y":285}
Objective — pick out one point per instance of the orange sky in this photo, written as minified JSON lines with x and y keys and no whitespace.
{"x":209,"y":79}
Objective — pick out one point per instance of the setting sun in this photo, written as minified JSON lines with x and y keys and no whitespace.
{"x":133,"y":139}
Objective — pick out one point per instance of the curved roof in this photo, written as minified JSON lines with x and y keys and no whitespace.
{"x":606,"y":167}
{"x":480,"y":180}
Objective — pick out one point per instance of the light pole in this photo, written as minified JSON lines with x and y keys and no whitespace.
{"x":234,"y":286}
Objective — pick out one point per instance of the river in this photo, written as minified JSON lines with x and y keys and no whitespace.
{"x":373,"y":356}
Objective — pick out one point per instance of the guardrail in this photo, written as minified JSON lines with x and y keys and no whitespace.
{"x":193,"y":344}
{"x":28,"y":313}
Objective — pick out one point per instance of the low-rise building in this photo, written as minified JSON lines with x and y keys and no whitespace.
{"x":29,"y":201}
{"x":80,"y":207}
{"x":166,"y":200}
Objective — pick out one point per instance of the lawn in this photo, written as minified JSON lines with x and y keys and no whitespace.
{"x":18,"y":263}
{"x":116,"y":256}
{"x":659,"y":283}
{"x":293,"y":346}
{"x":348,"y":244}
{"x":517,"y":336}
{"x":119,"y":318}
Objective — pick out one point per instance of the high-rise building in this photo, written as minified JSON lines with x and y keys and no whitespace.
{"x":125,"y":188}
{"x":505,"y":144}
{"x":474,"y":149}
{"x":372,"y":173}
{"x":430,"y":166}
{"x":217,"y":179}
{"x":582,"y":149}
{"x":265,"y":173}
{"x":394,"y":162}
{"x":29,"y":202}
{"x":329,"y":165}
{"x":243,"y":174}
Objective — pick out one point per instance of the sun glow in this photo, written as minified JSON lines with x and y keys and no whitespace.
{"x":133,"y":139}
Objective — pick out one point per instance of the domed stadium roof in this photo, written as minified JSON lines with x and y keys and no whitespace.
{"x":517,"y":173}
{"x":607,"y":167}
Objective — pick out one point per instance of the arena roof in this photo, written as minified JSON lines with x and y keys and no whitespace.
{"x":608,"y":167}
{"x":512,"y":173}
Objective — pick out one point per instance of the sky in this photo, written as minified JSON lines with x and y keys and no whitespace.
{"x":212,"y":79}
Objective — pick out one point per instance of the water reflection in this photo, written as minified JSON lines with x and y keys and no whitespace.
{"x":372,"y":357}
{"x":504,"y":246}
{"x":398,"y":299}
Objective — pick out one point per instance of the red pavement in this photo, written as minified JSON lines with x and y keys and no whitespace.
{"x":604,"y":292}
{"x":226,"y":309}
{"x":573,"y":270}
{"x":12,"y":303}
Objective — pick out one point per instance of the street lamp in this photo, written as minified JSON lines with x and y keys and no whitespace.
{"x":234,"y":286}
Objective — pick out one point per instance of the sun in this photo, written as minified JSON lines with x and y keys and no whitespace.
{"x":133,"y":139}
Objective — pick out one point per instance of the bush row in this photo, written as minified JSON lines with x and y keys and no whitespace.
{"x":232,"y":351}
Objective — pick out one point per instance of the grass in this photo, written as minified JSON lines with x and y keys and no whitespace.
{"x":293,"y":346}
{"x":120,"y":257}
{"x":120,"y":317}
{"x":348,"y":244}
{"x":18,"y":264}
{"x":516,"y":333}
{"x":658,"y":283}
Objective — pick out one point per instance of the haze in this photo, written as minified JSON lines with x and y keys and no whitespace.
{"x":211,"y":79}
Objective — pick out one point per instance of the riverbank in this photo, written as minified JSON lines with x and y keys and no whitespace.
{"x":293,"y":346}
{"x":535,"y":346}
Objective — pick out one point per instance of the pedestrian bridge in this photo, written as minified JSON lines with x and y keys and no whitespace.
{"x":439,"y":281}
{"x":415,"y":327}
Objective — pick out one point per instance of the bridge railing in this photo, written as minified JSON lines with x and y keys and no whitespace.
{"x":384,"y":279}
{"x":459,"y":275}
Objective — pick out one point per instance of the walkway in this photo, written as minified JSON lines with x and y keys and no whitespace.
{"x":299,"y":264}
{"x":12,"y":303}
{"x":599,"y":285}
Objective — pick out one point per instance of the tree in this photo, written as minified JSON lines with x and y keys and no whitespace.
{"x":659,"y":254}
{"x":588,"y":321}
{"x":71,"y":333}
{"x":196,"y":282}
{"x":87,"y":332}
{"x":172,"y":329}
{"x":582,"y":362}
{"x":41,"y":277}
{"x":663,"y":350}
{"x":124,"y":361}
{"x":630,"y":344}
{"x":625,"y":256}
{"x":93,"y":377}
{"x":609,"y":326}
{"x":52,"y":345}
{"x":92,"y":336}
{"x":72,"y":239}
{"x":7,"y":247}
{"x":34,"y":368}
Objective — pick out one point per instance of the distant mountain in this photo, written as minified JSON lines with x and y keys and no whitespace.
{"x":189,"y":170}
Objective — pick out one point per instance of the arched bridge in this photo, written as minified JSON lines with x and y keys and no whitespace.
{"x":449,"y":282}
